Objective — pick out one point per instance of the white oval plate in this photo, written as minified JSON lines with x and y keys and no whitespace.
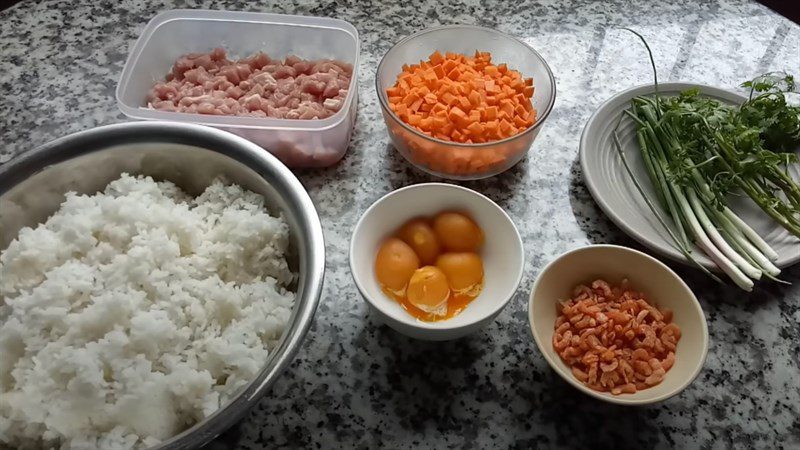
{"x":613,"y":190}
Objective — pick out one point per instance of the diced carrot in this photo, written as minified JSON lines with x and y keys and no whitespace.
{"x":474,"y":98}
{"x":448,"y":128}
{"x":439,"y":108}
{"x":454,"y":74}
{"x":464,"y":99}
{"x":507,"y":107}
{"x":426,"y":123}
{"x":449,"y":98}
{"x":504,"y":125}
{"x":528,"y":106}
{"x":410,"y":98}
{"x":527,"y":91}
{"x":456,"y":114}
{"x":475,"y":128}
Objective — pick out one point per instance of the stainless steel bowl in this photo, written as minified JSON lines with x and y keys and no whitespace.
{"x":33,"y":185}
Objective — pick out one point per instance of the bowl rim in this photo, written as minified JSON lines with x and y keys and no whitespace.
{"x":440,"y":326}
{"x":106,"y":137}
{"x":620,"y":399}
{"x":540,"y":118}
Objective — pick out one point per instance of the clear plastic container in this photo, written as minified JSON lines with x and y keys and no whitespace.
{"x":298,"y":143}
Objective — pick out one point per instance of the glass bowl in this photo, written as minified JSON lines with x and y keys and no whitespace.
{"x":455,"y":160}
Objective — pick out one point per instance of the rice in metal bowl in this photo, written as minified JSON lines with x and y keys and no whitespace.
{"x":131,"y":314}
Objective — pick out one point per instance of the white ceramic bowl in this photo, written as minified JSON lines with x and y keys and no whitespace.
{"x":646,"y":274}
{"x":502,"y":254}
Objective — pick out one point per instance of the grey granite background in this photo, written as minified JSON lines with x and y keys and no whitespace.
{"x":358,"y":384}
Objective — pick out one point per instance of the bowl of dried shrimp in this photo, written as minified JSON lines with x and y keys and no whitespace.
{"x":618,"y":324}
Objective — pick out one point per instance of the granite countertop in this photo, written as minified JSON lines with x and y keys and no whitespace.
{"x":358,"y":383}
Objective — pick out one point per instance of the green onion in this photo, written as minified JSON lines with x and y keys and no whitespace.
{"x":697,"y":152}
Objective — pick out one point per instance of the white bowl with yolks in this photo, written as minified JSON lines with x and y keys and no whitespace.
{"x":502,"y":254}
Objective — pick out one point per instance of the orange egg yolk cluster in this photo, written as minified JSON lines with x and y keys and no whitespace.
{"x":431,"y":266}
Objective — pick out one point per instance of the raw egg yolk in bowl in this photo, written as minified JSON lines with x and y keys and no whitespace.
{"x":432,"y":267}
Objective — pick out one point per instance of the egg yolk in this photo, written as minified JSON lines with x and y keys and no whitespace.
{"x":394,"y":265}
{"x":420,"y":237}
{"x":464,"y":271}
{"x":457,"y":232}
{"x":428,"y":290}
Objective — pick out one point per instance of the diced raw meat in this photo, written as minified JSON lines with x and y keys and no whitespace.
{"x":206,"y":108}
{"x":256,"y":61}
{"x":291,"y":60}
{"x":234,"y":92}
{"x":198,"y":75}
{"x":231,"y":74}
{"x":284,"y":72}
{"x":252,"y":102}
{"x":256,"y":86}
{"x":265,"y":79}
{"x":331,"y":89}
{"x":332,"y":104}
{"x":303,"y":67}
{"x":286,"y":86}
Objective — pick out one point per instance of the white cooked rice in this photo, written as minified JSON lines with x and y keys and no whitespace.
{"x":131,"y":314}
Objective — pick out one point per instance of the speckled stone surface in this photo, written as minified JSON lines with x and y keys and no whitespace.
{"x":356,"y":383}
